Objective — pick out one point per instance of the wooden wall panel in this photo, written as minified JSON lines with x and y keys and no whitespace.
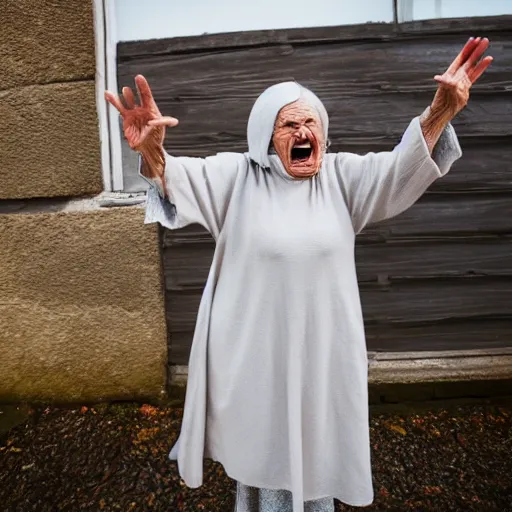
{"x":437,"y":277}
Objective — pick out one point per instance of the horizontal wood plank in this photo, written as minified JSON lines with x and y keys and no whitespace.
{"x":486,"y":163}
{"x":368,"y":31}
{"x":188,"y":265}
{"x":434,"y":258}
{"x":435,"y":300}
{"x":458,"y":335}
{"x":448,"y":214}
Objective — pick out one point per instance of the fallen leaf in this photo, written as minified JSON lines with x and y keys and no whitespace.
{"x":435,"y":431}
{"x":432,"y":489}
{"x":145,"y":434}
{"x":148,"y":410}
{"x":151,"y":499}
{"x":102,"y":504}
{"x":398,"y":429}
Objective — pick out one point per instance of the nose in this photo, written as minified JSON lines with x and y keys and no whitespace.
{"x":301,"y":133}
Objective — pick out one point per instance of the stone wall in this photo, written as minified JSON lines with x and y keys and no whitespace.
{"x":81,"y":303}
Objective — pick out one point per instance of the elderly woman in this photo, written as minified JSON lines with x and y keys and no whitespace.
{"x":277,"y":388}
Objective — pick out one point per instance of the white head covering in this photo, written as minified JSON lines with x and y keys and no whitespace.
{"x":264,"y":113}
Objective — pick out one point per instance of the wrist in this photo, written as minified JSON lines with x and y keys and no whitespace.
{"x":151,"y":151}
{"x":153,"y":161}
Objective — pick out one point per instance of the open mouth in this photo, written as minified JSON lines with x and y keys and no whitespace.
{"x":301,"y":152}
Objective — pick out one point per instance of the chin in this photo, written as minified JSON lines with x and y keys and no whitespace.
{"x":303,"y":172}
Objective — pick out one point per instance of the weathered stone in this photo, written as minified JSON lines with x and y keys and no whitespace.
{"x":81,"y":307}
{"x":50,"y":141}
{"x":43,"y":41}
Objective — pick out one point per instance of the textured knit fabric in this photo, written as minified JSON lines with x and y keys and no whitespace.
{"x":252,"y":499}
{"x":277,"y":386}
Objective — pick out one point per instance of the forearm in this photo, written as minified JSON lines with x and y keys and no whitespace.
{"x":433,"y":122}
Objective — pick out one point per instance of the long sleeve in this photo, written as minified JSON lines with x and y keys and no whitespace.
{"x":199,"y":191}
{"x":378,"y":186}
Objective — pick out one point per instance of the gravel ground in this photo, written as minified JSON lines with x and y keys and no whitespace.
{"x":114,"y":457}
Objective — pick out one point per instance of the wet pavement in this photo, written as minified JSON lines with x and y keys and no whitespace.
{"x":439,"y":457}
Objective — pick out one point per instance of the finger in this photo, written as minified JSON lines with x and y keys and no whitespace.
{"x":145,"y":94}
{"x":164,"y":121}
{"x":477,"y":72}
{"x":114,"y":100}
{"x":477,"y":53}
{"x":463,"y":55}
{"x":129,"y":97}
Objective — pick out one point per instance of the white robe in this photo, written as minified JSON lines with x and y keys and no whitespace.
{"x":277,"y":386}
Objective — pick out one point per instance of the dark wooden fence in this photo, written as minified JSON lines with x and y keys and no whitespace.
{"x":437,"y":277}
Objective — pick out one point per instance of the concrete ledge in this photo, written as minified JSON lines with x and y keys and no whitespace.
{"x":413,"y":367}
{"x":419,"y":376}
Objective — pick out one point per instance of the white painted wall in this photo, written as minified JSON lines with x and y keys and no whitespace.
{"x":426,"y":9}
{"x":139,"y":20}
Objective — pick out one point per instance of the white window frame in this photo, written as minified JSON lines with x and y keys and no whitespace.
{"x":106,"y":80}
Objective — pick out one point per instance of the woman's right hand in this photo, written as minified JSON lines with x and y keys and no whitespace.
{"x":143,"y":124}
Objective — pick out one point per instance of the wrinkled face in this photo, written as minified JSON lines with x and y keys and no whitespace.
{"x":299,"y":139}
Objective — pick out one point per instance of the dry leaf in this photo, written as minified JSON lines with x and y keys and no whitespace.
{"x":148,"y":410}
{"x":432,"y":489}
{"x":398,"y":429}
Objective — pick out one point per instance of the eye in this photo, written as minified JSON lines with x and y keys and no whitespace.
{"x":310,"y":120}
{"x":290,"y":124}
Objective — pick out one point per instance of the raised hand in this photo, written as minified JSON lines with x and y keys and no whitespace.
{"x":455,"y":83}
{"x":143,"y":126}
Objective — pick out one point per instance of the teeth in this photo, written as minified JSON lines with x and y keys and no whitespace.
{"x":303,"y":146}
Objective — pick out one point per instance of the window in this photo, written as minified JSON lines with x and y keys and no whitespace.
{"x":162,"y":19}
{"x":412,"y":10}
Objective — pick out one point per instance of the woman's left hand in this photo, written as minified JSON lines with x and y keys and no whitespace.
{"x":454,"y":85}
